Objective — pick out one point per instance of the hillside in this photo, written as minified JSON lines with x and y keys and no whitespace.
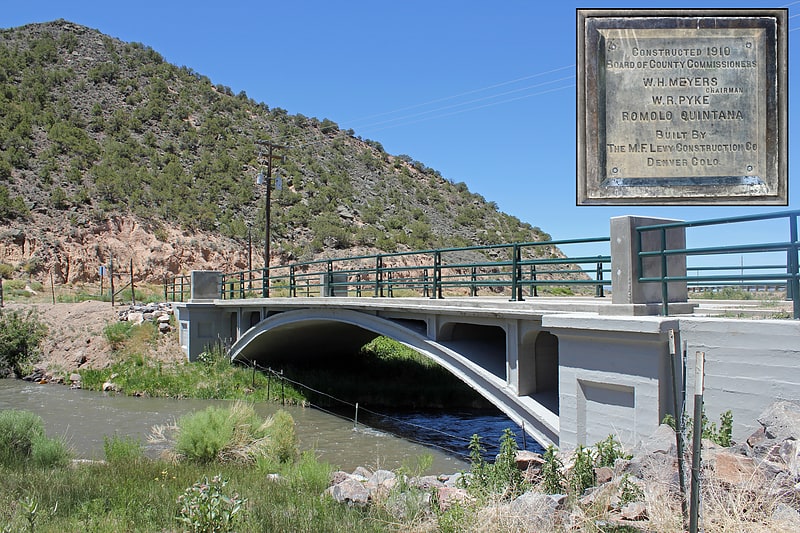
{"x":106,"y":149}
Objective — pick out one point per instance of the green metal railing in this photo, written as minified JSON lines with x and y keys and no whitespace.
{"x":177,"y":289}
{"x":514,"y":270}
{"x":784,"y":273}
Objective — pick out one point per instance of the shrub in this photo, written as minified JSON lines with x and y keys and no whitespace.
{"x":552,"y":475}
{"x":122,"y":449}
{"x":50,"y":453}
{"x":204,"y":434}
{"x":502,"y":478}
{"x":236,"y":434}
{"x":283,"y":436}
{"x":582,"y":476}
{"x":20,"y":336}
{"x":117,"y":333}
{"x":18,"y":432}
{"x":206,"y":509}
{"x":608,"y":451}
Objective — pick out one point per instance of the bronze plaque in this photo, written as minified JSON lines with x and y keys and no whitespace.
{"x":682,"y":107}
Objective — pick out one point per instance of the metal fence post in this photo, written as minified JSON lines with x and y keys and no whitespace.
{"x":516,"y":274}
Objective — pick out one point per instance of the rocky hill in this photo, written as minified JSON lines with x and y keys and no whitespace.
{"x":106,"y":149}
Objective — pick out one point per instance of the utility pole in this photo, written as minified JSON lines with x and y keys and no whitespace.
{"x":267,"y":208}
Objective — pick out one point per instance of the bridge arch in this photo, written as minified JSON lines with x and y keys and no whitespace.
{"x":309,"y":329}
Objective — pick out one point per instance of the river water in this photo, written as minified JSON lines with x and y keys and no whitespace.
{"x":84,"y":418}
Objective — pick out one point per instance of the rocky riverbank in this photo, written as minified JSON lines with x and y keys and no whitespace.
{"x":750,"y":486}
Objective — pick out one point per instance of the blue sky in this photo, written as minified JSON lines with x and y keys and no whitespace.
{"x":483,"y":93}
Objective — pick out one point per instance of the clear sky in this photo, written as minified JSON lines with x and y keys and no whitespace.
{"x":482,"y":92}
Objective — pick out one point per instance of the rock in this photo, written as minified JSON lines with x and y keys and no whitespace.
{"x":538,"y":511}
{"x":736,"y":469}
{"x":526,"y":459}
{"x":338,"y":477}
{"x":447,"y":496}
{"x":381,"y":483}
{"x":349,"y":491}
{"x":427,"y":482}
{"x":603,"y":474}
{"x":363,"y":474}
{"x":405,"y":505}
{"x":135,"y":318}
{"x":781,"y":421}
{"x":164,"y":327}
{"x":634,"y":511}
{"x":661,"y":441}
{"x":109,"y":386}
{"x":75,"y":377}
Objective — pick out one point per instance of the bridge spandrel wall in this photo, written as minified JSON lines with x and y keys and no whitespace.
{"x":614,"y":377}
{"x":748,"y":365}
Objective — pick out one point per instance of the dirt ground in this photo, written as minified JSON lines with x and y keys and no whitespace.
{"x":75,"y":336}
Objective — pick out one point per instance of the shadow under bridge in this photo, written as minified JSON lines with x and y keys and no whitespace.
{"x":475,"y":354}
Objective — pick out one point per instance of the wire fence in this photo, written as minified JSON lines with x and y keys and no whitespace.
{"x":357,"y":409}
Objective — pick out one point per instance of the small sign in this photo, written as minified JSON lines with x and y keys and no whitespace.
{"x":682,"y":107}
{"x":102,"y":271}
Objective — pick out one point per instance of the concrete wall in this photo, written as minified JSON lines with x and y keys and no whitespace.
{"x":749,"y":364}
{"x":614,"y":376}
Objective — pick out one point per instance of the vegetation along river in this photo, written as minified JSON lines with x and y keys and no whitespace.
{"x":83,"y":418}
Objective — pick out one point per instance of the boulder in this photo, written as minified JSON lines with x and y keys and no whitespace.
{"x":736,"y":469}
{"x":349,"y":491}
{"x":538,"y":511}
{"x":447,"y":496}
{"x":781,"y":421}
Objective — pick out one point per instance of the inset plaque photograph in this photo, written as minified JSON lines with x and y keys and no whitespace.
{"x":682,"y":107}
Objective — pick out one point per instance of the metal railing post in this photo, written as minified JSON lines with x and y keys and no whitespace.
{"x":241,"y":285}
{"x":379,"y":276}
{"x":473,"y":288}
{"x":292,"y":282}
{"x":516,"y":274}
{"x":425,"y":288}
{"x":599,"y":289}
{"x":264,"y":283}
{"x":793,"y":284}
{"x":437,"y":275}
{"x":534,"y":287}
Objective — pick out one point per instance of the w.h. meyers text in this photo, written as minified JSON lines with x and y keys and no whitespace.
{"x":685,"y":103}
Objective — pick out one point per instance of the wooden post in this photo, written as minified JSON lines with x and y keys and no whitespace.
{"x":133,"y":292}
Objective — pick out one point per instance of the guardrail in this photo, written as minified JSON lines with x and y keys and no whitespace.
{"x":177,"y":289}
{"x":783,"y":273}
{"x":515,"y":270}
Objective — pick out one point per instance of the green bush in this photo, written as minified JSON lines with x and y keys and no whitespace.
{"x":203,"y":435}
{"x":117,"y":333}
{"x":122,"y":449}
{"x":50,"y":453}
{"x":18,"y":432}
{"x":205,"y":508}
{"x":236,"y":434}
{"x":283,"y":437}
{"x":20,"y":335}
{"x":501,"y":478}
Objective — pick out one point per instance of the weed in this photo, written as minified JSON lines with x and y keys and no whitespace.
{"x":206,"y":509}
{"x":582,"y":475}
{"x":553,"y":480}
{"x":122,"y":449}
{"x":629,"y":491}
{"x":608,"y":451}
{"x":117,"y":333}
{"x":18,"y":431}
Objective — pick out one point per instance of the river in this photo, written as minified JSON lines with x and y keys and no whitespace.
{"x":84,"y":418}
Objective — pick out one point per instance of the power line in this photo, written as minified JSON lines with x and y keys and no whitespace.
{"x":445,"y":98}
